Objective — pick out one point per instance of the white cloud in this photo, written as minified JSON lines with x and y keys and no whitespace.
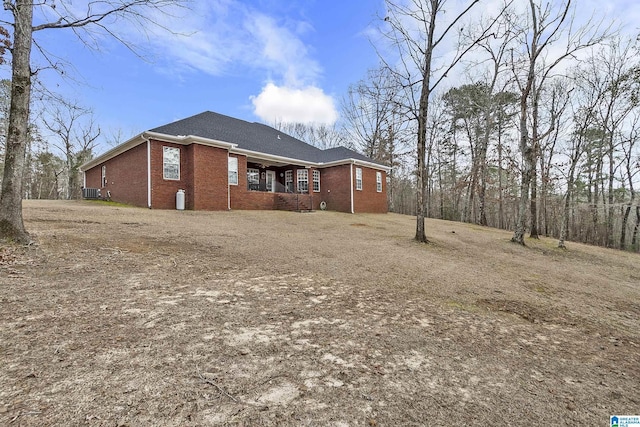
{"x":309,"y":105}
{"x":219,"y":37}
{"x":224,"y":37}
{"x":283,"y":51}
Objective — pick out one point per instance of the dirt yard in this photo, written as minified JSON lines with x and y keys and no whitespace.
{"x":123,"y":316}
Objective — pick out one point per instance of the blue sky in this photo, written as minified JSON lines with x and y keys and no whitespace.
{"x":260,"y":60}
{"x":257,"y":60}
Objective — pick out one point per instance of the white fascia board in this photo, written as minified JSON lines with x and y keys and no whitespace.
{"x":144,"y":136}
{"x":357,"y":162}
{"x":271,"y":157}
{"x":119,"y":149}
{"x":281,"y":159}
{"x":188,"y":140}
{"x":233,"y":148}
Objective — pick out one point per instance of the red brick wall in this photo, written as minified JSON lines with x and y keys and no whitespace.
{"x":210,"y":178}
{"x":92,"y":177}
{"x":242,"y":198}
{"x":334,"y":189}
{"x":368,"y":199}
{"x":236,"y":191}
{"x":126,"y":177}
{"x":163,"y":192}
{"x":255,"y":200}
{"x":203,"y":176}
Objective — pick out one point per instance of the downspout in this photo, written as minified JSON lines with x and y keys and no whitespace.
{"x":229,"y":185}
{"x":148,"y":172}
{"x":351,"y":186}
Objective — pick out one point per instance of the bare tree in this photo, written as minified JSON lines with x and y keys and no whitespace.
{"x":583,"y":120}
{"x":74,"y":133}
{"x":99,"y":16}
{"x":413,"y":29}
{"x":319,"y":135}
{"x":618,"y":91}
{"x":546,"y":26}
{"x":5,"y":99}
{"x":370,"y":110}
{"x":631,"y":166}
{"x":373,"y":122}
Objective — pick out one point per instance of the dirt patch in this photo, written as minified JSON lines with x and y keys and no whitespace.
{"x":126,"y":316}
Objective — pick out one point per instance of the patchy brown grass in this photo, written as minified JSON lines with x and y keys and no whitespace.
{"x":126,"y":316}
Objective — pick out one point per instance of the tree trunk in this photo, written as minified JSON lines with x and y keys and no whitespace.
{"x":423,"y":114}
{"x":595,"y":216}
{"x":610,"y":199}
{"x":634,"y":238}
{"x":534,"y":203}
{"x":626,"y":211}
{"x":500,"y":186}
{"x":528,"y":157}
{"x":482,"y":191}
{"x":564,"y":230}
{"x":564,"y":227}
{"x":520,"y":228}
{"x":11,"y":223}
{"x":421,"y":181}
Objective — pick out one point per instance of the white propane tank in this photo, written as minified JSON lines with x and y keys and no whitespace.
{"x":180,"y":200}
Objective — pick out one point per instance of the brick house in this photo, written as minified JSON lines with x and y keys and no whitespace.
{"x":225,"y":163}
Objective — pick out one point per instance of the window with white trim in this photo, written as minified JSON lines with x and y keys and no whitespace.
{"x":379,"y":182}
{"x":233,"y":170}
{"x":316,"y":181}
{"x":288,"y":181}
{"x":358,"y":178}
{"x":104,"y":175}
{"x":253,"y":179}
{"x":171,"y":163}
{"x":303,"y":181}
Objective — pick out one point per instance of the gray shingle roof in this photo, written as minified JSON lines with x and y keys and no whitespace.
{"x":255,"y":137}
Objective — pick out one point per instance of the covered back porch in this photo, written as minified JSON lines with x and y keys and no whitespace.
{"x":277,"y":186}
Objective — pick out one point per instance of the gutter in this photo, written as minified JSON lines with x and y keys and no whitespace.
{"x":148,"y":173}
{"x":233,"y":148}
{"x":229,"y":185}
{"x":145,"y":136}
{"x":136,"y":140}
{"x":364,"y":163}
{"x":273,"y":157}
{"x":351,"y":186}
{"x":188,"y":139}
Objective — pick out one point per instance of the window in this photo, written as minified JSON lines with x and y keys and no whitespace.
{"x":104,"y":176}
{"x":379,"y":182}
{"x":233,"y":170}
{"x":303,"y":181}
{"x":171,"y":163}
{"x":316,"y":181}
{"x":253,"y":179}
{"x":288,"y":181}
{"x":358,"y":178}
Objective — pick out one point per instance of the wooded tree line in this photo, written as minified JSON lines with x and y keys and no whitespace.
{"x":539,"y":133}
{"x":61,"y":136}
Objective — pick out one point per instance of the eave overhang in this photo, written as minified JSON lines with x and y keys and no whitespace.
{"x":231,"y":147}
